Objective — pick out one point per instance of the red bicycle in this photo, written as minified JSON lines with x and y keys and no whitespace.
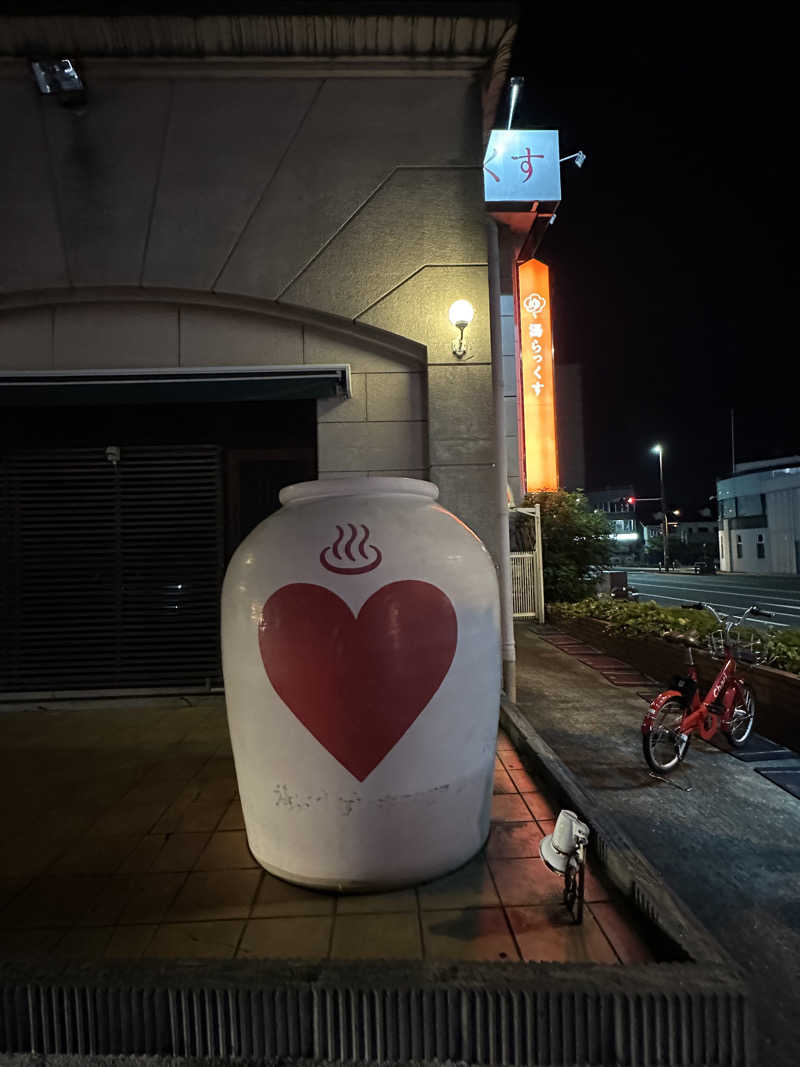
{"x":729,"y":704}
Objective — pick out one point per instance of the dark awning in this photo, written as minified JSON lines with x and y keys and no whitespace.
{"x":174,"y":385}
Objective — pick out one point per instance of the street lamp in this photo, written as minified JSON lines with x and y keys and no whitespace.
{"x":664,"y":517}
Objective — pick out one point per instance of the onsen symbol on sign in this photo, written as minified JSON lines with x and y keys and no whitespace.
{"x":534,"y":303}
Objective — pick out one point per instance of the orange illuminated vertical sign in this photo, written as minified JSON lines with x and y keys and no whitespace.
{"x":537,"y":381}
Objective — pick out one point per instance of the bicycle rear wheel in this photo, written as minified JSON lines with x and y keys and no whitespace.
{"x":744,"y":714}
{"x":664,"y":744}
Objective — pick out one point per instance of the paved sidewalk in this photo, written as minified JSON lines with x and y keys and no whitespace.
{"x":122,"y":837}
{"x":729,"y":848}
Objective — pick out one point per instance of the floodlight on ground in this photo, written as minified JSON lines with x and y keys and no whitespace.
{"x":564,"y":853}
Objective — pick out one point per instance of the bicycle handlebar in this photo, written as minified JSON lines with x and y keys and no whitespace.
{"x":754,"y":611}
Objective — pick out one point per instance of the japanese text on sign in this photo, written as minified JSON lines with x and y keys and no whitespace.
{"x":521,"y":166}
{"x":538,"y":436}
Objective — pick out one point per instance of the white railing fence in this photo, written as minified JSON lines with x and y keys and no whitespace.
{"x":527,"y":586}
{"x":527,"y":576}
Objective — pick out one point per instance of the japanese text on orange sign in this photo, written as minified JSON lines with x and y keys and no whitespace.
{"x":536,"y":360}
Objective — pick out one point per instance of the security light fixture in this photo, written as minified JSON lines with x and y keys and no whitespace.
{"x":56,"y":76}
{"x":59,"y":78}
{"x":579,"y":158}
{"x":564,"y":853}
{"x":461,"y":315}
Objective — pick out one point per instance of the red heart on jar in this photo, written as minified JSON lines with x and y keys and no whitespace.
{"x":358,"y":682}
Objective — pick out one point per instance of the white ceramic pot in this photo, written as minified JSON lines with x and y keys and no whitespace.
{"x":361,"y":654}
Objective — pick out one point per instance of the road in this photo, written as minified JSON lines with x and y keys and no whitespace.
{"x":730,"y":593}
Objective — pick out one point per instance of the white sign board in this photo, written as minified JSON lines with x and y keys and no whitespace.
{"x":521,"y":166}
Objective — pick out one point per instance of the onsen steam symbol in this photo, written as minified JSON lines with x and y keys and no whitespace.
{"x":350,"y":563}
{"x":534,"y":303}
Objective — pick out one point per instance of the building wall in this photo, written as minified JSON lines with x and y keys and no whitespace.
{"x":356,"y":197}
{"x":382,"y":429}
{"x":761,"y":500}
{"x":746,"y":542}
{"x":783,"y":514}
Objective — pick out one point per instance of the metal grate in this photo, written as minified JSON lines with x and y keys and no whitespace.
{"x":110,"y":572}
{"x":360,"y":1023}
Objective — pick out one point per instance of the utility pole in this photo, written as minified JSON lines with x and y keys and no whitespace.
{"x":733,"y":447}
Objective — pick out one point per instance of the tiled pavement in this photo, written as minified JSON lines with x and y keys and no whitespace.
{"x":613,"y":670}
{"x":122,"y":836}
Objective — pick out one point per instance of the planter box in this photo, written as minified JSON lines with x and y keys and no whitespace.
{"x":777,"y":692}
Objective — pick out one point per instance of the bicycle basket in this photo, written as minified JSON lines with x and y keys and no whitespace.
{"x":748,"y":647}
{"x":745,"y":646}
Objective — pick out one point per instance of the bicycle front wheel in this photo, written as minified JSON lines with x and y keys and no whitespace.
{"x":664,"y":744}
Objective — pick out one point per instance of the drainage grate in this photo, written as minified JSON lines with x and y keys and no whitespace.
{"x":499,"y":1020}
{"x":756,"y":749}
{"x":788,"y":779}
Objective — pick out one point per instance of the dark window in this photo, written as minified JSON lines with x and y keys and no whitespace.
{"x":738,"y":546}
{"x":760,"y":547}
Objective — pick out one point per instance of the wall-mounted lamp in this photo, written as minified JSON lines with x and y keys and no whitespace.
{"x":461,"y":314}
{"x":564,"y":852}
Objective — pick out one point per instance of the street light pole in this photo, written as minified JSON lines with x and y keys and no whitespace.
{"x":665,"y":518}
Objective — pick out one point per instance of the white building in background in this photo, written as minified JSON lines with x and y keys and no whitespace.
{"x":759,"y":517}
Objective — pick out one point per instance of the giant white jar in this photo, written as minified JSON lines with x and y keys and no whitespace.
{"x":361,"y":654}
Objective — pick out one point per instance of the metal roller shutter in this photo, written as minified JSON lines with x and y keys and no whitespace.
{"x":110,"y":572}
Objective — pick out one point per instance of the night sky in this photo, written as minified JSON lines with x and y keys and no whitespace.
{"x":670,"y":257}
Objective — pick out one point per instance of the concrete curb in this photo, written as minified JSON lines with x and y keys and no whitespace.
{"x":627,"y":868}
{"x":624,"y":863}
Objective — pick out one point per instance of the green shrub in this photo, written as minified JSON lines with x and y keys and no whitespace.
{"x":576,"y":541}
{"x":633,"y":619}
